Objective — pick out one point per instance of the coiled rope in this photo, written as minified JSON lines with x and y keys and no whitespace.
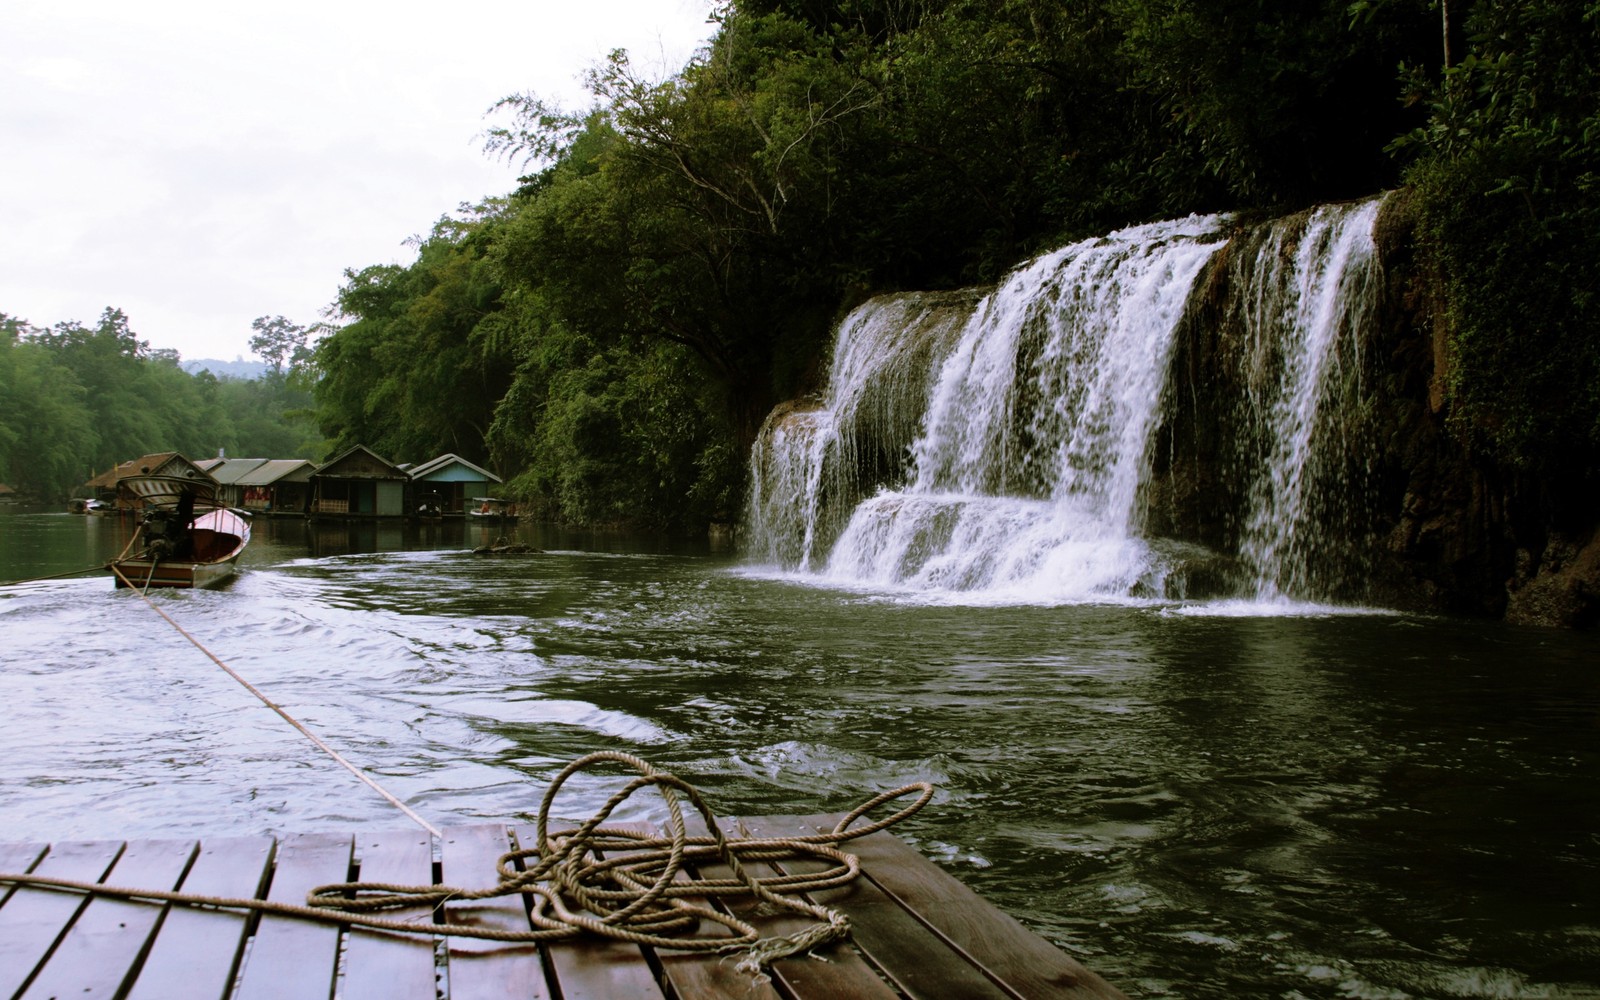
{"x":640,"y":892}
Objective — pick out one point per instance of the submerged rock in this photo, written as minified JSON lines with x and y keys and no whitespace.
{"x":501,"y":547}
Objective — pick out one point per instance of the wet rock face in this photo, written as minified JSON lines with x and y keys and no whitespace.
{"x":1430,"y":525}
{"x":1463,"y":534}
{"x":1560,"y":587}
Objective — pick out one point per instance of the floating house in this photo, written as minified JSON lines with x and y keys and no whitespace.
{"x":263,"y":485}
{"x":228,"y":472}
{"x":359,"y":483}
{"x":278,"y":486}
{"x":455,"y":481}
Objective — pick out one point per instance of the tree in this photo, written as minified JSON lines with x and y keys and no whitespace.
{"x":423,"y":356}
{"x":278,"y":342}
{"x":75,"y":400}
{"x":1507,"y":172}
{"x":46,"y":428}
{"x":705,"y":210}
{"x":13,"y":328}
{"x":673,"y":265}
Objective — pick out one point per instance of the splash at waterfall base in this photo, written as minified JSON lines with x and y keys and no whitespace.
{"x":1202,"y":410}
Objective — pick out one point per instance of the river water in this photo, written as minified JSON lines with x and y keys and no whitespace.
{"x":1197,"y":801}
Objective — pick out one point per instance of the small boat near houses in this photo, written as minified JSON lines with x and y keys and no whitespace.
{"x":185,"y":538}
{"x":493,"y":509}
{"x":85,"y":505}
{"x":429,"y":508}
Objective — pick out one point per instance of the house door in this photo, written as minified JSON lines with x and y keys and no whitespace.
{"x":391,"y":499}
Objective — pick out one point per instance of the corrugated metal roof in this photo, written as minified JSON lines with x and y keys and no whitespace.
{"x":231,"y":471}
{"x":433,"y":465}
{"x":353,"y":459}
{"x":274,"y":469}
{"x":152,"y":464}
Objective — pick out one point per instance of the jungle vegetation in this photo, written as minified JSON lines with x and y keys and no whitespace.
{"x":610,"y":334}
{"x":76,"y":400}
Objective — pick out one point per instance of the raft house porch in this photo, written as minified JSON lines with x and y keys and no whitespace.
{"x":279,"y":487}
{"x":359,"y":483}
{"x":262,"y":485}
{"x":916,"y":932}
{"x":455,"y":480}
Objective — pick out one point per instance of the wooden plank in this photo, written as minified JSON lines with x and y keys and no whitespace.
{"x":914,"y":926}
{"x":1026,"y":963}
{"x":17,"y":859}
{"x":379,"y":966}
{"x":97,"y":957}
{"x":918,"y":962}
{"x":697,"y":974}
{"x":593,"y":968}
{"x":842,"y":971}
{"x":292,"y":957}
{"x":1023,"y":960}
{"x":33,"y":919}
{"x":480,"y":969}
{"x":196,"y":953}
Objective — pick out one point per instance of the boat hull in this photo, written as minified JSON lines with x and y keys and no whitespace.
{"x":218,"y":538}
{"x":138,"y":573}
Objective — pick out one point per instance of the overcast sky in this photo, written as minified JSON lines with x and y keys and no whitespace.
{"x":198,"y":165}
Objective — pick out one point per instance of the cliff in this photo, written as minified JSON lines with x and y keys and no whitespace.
{"x":1415,"y":517}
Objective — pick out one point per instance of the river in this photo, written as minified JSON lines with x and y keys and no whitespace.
{"x":1195,"y":800}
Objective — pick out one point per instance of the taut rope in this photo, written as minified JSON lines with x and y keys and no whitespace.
{"x":97,"y":567}
{"x":291,"y":720}
{"x":640,"y":893}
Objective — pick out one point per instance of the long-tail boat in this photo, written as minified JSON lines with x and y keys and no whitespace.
{"x":185,"y":536}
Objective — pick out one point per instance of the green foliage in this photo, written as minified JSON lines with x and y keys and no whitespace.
{"x":1506,"y":175}
{"x":45,"y":428}
{"x":613,"y":334}
{"x":1279,"y":105}
{"x":616,"y":437}
{"x":75,"y":401}
{"x":424,"y":358}
{"x":280,"y":343}
{"x":271,"y":417}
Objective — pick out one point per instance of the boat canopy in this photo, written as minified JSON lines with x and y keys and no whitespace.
{"x":167,"y":491}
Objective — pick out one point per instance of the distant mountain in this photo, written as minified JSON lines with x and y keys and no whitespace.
{"x":237,"y":368}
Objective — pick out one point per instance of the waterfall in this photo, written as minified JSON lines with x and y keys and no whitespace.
{"x":1000,"y":445}
{"x":1312,"y":298}
{"x":813,"y":461}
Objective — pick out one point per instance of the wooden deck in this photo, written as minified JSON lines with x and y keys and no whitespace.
{"x":918,"y":933}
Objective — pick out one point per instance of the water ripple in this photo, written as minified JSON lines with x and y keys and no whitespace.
{"x":1201,"y":806}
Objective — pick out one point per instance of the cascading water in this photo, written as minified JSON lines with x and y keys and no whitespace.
{"x":1313,"y":302}
{"x":1001,"y":448}
{"x":813,"y":463}
{"x":1025,"y":475}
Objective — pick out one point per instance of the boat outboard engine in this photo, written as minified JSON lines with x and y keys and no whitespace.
{"x":162,"y":532}
{"x":168,"y":531}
